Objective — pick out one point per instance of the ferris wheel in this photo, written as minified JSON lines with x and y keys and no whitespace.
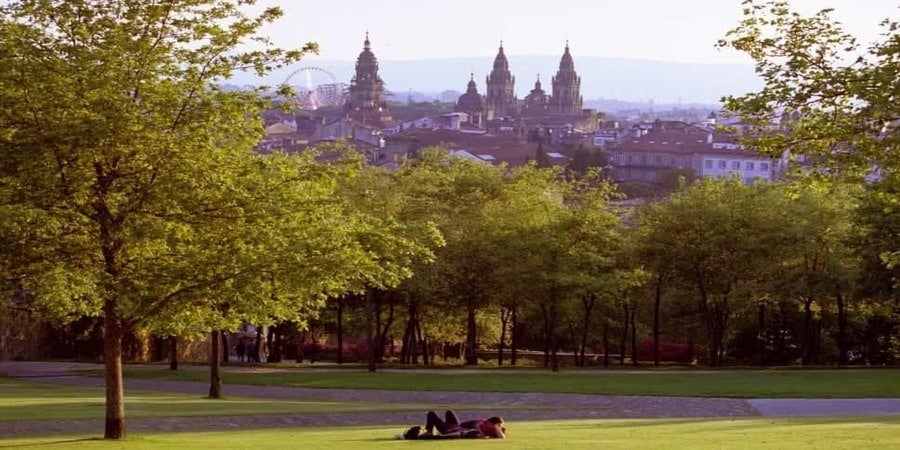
{"x":315,"y":87}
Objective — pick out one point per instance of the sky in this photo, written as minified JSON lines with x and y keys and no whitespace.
{"x":668,"y":30}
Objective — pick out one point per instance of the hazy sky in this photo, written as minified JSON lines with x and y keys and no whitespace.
{"x":672,"y":30}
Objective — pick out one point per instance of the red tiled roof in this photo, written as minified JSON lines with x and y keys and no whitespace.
{"x":502,"y":148}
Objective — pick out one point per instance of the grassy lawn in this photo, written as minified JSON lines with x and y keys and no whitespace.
{"x":831,"y":433}
{"x":883,"y":383}
{"x":36,"y":401}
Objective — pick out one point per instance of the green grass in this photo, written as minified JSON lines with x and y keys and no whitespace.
{"x":794,"y":434}
{"x":36,"y":401}
{"x":876,"y":383}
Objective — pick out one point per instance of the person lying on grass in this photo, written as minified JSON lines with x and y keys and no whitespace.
{"x":452,"y":428}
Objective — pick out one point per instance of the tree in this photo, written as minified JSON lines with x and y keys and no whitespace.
{"x":718,"y":235}
{"x":836,"y":103}
{"x":116,"y":142}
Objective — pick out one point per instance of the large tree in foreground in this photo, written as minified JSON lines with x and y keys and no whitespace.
{"x":116,"y":145}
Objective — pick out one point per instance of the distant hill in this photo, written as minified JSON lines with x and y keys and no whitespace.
{"x":608,"y":78}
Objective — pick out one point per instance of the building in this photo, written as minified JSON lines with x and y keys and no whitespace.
{"x":566,"y":97}
{"x":649,"y":155}
{"x":473,"y":104}
{"x":365,"y":104}
{"x":501,"y":88}
{"x":554,"y":119}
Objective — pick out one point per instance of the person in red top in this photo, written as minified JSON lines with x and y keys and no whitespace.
{"x":452,"y":428}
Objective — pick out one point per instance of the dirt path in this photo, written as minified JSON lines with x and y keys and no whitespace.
{"x":513,"y":406}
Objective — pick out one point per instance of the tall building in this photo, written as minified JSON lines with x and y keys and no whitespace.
{"x":365,"y":104}
{"x":501,"y":96}
{"x":566,"y":97}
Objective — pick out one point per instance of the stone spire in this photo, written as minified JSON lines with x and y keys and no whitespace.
{"x":566,"y":98}
{"x":365,"y":102}
{"x":501,"y":95}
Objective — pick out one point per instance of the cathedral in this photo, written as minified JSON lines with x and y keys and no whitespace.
{"x":364,"y":103}
{"x":564,"y":104}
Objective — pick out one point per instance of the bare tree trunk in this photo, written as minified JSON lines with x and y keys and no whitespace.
{"x":112,"y":359}
{"x":215,"y":378}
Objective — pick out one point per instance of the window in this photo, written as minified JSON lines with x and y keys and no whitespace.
{"x":723,"y":164}
{"x":707,"y":164}
{"x":735,"y":165}
{"x":629,"y":158}
{"x":764,"y":166}
{"x":657,"y":159}
{"x":643,"y":159}
{"x":749,"y":165}
{"x":672,"y":161}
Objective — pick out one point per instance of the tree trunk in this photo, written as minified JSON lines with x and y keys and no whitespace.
{"x":761,"y":335}
{"x":657,"y":301}
{"x":301,"y":341}
{"x":514,"y":337}
{"x":588,"y":304}
{"x":623,"y":343}
{"x":270,"y":345}
{"x":215,"y":361}
{"x":422,"y":341}
{"x":842,"y":329}
{"x":340,"y":330}
{"x":224,"y":347}
{"x":158,"y":349}
{"x":471,"y":333}
{"x":547,"y":340}
{"x":112,"y":359}
{"x":173,"y":358}
{"x":807,"y":332}
{"x":634,"y":347}
{"x":504,"y":321}
{"x":605,"y":343}
{"x":554,"y":336}
{"x":370,"y":332}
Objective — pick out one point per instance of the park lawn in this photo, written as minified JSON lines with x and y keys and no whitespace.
{"x":794,"y":434}
{"x":37,"y":401}
{"x":855,"y":383}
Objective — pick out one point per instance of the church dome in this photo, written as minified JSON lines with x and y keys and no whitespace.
{"x":471,"y":100}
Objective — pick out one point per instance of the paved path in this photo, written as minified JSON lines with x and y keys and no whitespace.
{"x":513,"y":406}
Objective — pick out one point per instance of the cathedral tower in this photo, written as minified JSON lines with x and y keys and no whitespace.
{"x":501,"y":96}
{"x":566,"y":98}
{"x":364,"y":104}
